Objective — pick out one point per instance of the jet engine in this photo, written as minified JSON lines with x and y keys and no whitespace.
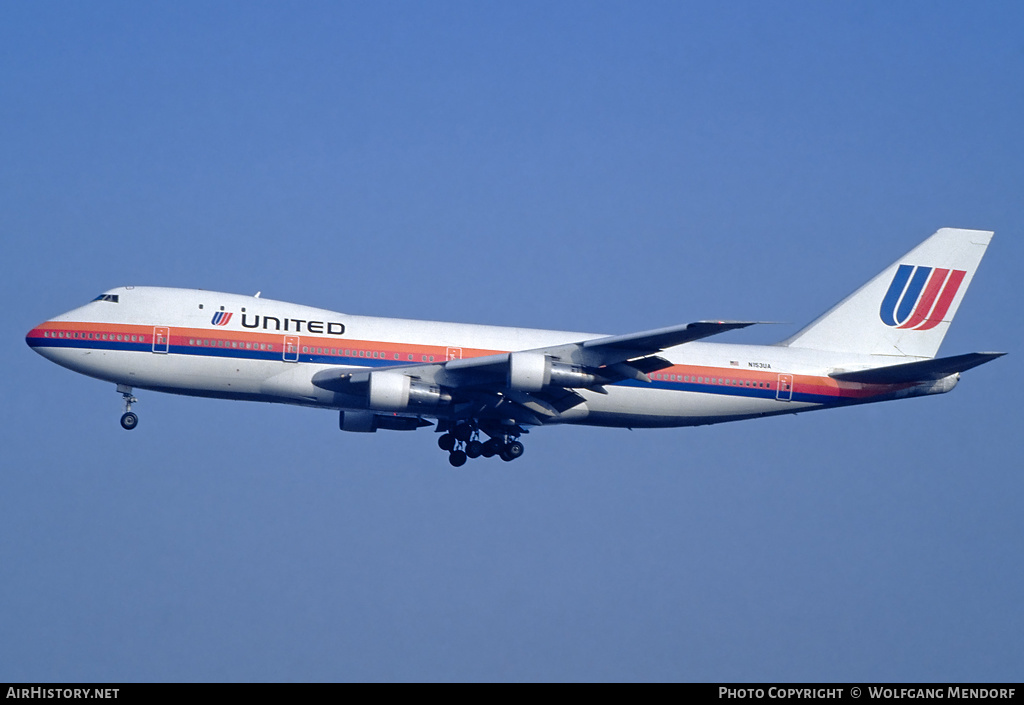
{"x":394,"y":391}
{"x":369,"y":422}
{"x":531,"y":372}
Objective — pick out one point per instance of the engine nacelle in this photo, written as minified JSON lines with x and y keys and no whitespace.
{"x":528,"y":371}
{"x":531,"y":372}
{"x":393,"y":391}
{"x":357,"y":421}
{"x":389,"y":391}
{"x":369,"y":422}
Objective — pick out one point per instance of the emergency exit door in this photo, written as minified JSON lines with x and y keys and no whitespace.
{"x":161,"y":339}
{"x":785,"y":390}
{"x":291,"y":348}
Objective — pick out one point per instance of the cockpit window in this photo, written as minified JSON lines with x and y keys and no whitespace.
{"x":112,"y":298}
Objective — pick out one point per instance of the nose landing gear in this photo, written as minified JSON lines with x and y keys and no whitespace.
{"x":129,"y":419}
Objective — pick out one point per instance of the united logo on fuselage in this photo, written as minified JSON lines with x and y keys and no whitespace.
{"x":919,"y":297}
{"x":221,"y":318}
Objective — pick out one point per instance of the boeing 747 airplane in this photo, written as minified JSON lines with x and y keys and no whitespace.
{"x":485,"y":386}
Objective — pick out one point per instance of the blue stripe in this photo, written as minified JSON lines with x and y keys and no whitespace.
{"x":892,"y":296}
{"x":212,"y":351}
{"x":723,"y":389}
{"x":224,"y":352}
{"x":913,"y":293}
{"x":88,"y":344}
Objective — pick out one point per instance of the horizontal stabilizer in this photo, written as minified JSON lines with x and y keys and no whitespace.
{"x":922,"y":371}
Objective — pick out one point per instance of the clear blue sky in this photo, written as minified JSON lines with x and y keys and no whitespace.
{"x":578,"y":165}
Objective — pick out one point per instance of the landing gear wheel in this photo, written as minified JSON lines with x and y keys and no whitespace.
{"x":474,"y":449}
{"x":446,"y":441}
{"x":491,"y":448}
{"x":128,"y":420}
{"x":457,"y":458}
{"x":513,"y":450}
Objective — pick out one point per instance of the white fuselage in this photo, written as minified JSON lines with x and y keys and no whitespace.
{"x":206,"y":343}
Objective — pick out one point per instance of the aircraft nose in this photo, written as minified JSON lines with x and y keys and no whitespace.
{"x":34,"y":334}
{"x":38,"y":337}
{"x":50,"y":340}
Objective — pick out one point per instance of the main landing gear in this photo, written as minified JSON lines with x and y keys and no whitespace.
{"x":463,"y":442}
{"x":129,"y":419}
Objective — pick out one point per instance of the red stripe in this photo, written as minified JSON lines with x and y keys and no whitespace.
{"x":924,"y":306}
{"x":945,"y":299}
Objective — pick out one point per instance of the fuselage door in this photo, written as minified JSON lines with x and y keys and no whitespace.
{"x":785,"y":390}
{"x":161,"y":339}
{"x":291,"y":348}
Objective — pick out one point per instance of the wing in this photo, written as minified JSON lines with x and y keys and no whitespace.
{"x":531,"y":386}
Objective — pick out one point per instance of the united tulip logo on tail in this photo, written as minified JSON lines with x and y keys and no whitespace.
{"x":919,"y":297}
{"x":221,"y":318}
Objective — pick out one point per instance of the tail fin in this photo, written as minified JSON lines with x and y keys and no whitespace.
{"x":906,"y":310}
